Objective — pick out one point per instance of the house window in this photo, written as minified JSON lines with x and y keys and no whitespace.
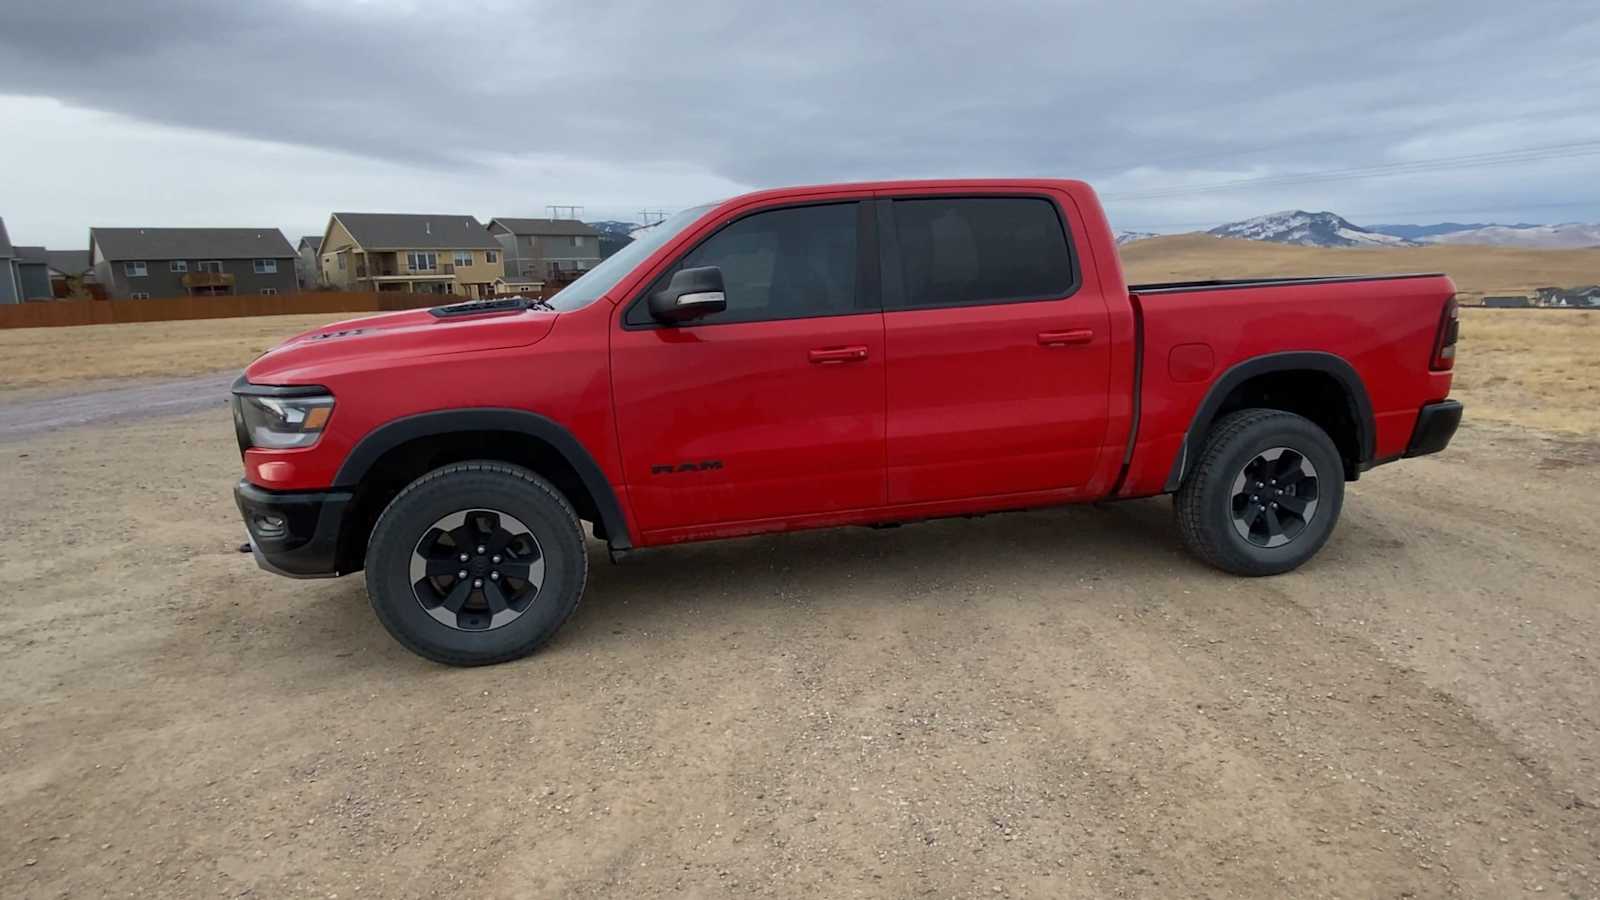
{"x":463,"y":257}
{"x":139,"y":295}
{"x":134,"y":269}
{"x":491,"y":256}
{"x":577,"y":242}
{"x":178,"y":265}
{"x":269,"y":291}
{"x":421,"y":261}
{"x":266,"y":267}
{"x":214,"y":266}
{"x":341,"y":257}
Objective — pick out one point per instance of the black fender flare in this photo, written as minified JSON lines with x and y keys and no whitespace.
{"x":392,"y":434}
{"x":1355,"y":392}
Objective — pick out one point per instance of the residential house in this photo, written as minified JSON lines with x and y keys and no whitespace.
{"x":414,"y":253}
{"x":10,"y":291}
{"x":32,"y":269}
{"x":513,"y":285}
{"x":306,"y":264}
{"x":65,"y":267}
{"x":1507,"y":302}
{"x":546,"y":249}
{"x":23,"y":271}
{"x":140,"y":263}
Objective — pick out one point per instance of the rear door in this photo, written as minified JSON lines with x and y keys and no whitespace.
{"x":773,"y":408}
{"x":998,"y":352}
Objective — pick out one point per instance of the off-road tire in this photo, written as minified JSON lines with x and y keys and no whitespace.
{"x":476,"y":485}
{"x":1203,"y":505}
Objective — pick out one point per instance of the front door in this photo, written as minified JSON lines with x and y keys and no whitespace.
{"x":998,"y":353}
{"x":772,"y":408}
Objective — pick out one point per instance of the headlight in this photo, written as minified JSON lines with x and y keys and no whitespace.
{"x":280,"y":423}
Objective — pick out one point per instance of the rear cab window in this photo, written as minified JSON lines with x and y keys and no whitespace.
{"x":971,"y":251}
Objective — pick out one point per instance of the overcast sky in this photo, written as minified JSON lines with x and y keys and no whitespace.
{"x":254,"y":113}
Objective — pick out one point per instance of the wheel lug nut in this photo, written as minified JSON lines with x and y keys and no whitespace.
{"x":477,"y":582}
{"x":481,"y":548}
{"x":462,"y":573}
{"x":494,"y":576}
{"x":463,"y":557}
{"x":494,"y":559}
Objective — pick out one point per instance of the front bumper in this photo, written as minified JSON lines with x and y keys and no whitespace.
{"x":293,"y":534}
{"x":1436,"y":425}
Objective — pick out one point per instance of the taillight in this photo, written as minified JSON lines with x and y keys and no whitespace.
{"x":1444,"y":345}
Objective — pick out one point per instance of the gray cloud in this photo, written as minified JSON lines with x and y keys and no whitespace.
{"x":1136,"y":94}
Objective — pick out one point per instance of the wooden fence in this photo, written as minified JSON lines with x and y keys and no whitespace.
{"x":53,"y":313}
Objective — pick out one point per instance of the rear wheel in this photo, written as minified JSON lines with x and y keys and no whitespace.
{"x":1265,"y":494}
{"x":476,"y":563}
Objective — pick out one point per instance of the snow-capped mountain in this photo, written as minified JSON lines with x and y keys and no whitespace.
{"x":1128,"y":237}
{"x":1424,"y":232}
{"x":1569,"y":235}
{"x":1319,"y":229}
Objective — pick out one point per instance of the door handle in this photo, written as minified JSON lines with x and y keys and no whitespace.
{"x":1065,"y":338}
{"x":835,"y":355}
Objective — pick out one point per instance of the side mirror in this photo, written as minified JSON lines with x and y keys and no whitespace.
{"x":692,"y":293}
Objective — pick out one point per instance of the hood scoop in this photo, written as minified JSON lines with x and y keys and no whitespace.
{"x":476,"y":307}
{"x":336,"y":334}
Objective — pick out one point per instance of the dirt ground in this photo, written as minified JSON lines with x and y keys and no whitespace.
{"x":1050,"y":704}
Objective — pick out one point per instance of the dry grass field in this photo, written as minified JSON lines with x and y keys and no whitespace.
{"x":1477,"y":271}
{"x":45,"y":358}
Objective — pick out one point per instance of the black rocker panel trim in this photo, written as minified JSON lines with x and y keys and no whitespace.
{"x":388,"y":436}
{"x":1355,"y":392}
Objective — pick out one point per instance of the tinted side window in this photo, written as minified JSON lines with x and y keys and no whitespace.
{"x":972,"y":250}
{"x":783,"y":264}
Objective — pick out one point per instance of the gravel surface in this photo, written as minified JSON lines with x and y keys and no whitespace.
{"x":1049,"y":704}
{"x":41,"y":410}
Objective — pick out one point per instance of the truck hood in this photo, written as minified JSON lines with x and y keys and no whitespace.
{"x":378,"y":340}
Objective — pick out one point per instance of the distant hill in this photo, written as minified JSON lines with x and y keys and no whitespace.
{"x":1566,"y":236}
{"x":1423,"y":232}
{"x":1477,"y":271}
{"x":1309,"y":229}
{"x":612,"y":226}
{"x":1128,"y":237}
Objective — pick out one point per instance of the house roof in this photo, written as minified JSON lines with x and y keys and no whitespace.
{"x":190,"y":243}
{"x":5,"y":241}
{"x":30,"y":254}
{"x":539,"y":227}
{"x":404,"y":231}
{"x":69,"y":262}
{"x":314,"y":240}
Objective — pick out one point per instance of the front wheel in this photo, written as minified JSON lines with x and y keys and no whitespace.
{"x":1264,"y":495}
{"x":476,"y":563}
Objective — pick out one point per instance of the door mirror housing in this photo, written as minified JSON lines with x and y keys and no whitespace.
{"x":690,"y":294}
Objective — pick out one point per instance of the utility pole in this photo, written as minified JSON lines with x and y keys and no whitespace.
{"x":563,"y":212}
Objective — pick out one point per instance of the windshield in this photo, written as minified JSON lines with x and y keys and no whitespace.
{"x":594,"y":283}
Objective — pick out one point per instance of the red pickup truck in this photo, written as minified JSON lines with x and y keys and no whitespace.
{"x":860,"y":354}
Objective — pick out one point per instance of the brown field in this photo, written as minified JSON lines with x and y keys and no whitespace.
{"x":1477,"y":271}
{"x":53,"y":358}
